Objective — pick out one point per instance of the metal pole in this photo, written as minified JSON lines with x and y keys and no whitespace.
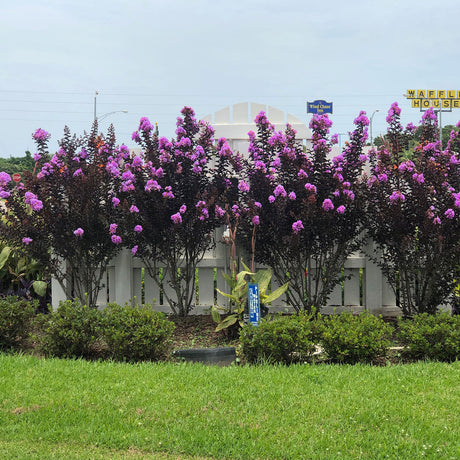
{"x":440,"y":129}
{"x":370,"y":126}
{"x":95,"y":95}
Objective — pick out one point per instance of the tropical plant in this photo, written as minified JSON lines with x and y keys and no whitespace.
{"x":21,"y":276}
{"x":238,"y":297}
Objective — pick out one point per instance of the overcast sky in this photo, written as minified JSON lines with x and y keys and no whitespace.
{"x":152,"y":57}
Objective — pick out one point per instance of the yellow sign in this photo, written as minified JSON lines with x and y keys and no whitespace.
{"x":436,"y":98}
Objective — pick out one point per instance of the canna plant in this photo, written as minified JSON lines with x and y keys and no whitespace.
{"x":238,"y":297}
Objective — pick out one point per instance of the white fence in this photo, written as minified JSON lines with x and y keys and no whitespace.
{"x":127,"y":281}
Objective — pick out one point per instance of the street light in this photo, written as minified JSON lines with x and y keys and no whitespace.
{"x":105,"y":115}
{"x":370,"y":125}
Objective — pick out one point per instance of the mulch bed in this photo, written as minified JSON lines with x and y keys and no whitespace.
{"x":198,"y":331}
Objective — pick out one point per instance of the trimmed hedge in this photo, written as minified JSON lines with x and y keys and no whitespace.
{"x":434,"y":337}
{"x":15,"y":321}
{"x":121,"y":333}
{"x":71,"y":331}
{"x":286,"y":339}
{"x":136,"y":333}
{"x":345,"y":338}
{"x":348,"y":338}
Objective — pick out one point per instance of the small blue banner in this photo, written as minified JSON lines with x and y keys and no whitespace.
{"x":254,"y":304}
{"x":319,"y":107}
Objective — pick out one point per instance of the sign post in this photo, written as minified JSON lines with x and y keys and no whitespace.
{"x":319,"y":107}
{"x":254,"y":304}
{"x":439,"y":99}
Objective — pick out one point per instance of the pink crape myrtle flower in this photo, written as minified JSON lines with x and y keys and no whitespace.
{"x":397,"y":196}
{"x":297,"y":226}
{"x":450,"y":213}
{"x":176,"y":218}
{"x":310,"y":187}
{"x":327,"y":205}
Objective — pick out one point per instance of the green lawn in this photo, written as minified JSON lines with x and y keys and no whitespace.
{"x":59,"y":409}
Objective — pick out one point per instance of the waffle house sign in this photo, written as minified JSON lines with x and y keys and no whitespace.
{"x":439,"y":99}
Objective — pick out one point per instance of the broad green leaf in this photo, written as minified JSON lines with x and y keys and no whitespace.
{"x":227,"y":322}
{"x":22,"y":265}
{"x":227,"y":278}
{"x":229,"y":296}
{"x":215,"y":314}
{"x":240,"y":278}
{"x":245,"y":266}
{"x":239,"y":308}
{"x":262,"y":278}
{"x":277,"y":293}
{"x":4,"y":256}
{"x":40,"y":287}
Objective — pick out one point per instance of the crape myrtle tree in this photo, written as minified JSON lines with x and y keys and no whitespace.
{"x":173,"y":195}
{"x":307,"y":210}
{"x":61,"y":214}
{"x":413,"y":214}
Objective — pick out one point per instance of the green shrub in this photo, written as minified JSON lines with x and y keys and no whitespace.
{"x":435,"y":337}
{"x":347,"y":338}
{"x":15,"y":320}
{"x":72,"y":331}
{"x":136,"y":333}
{"x":285,"y":339}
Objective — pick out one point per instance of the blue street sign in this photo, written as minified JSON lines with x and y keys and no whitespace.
{"x":254,"y":304}
{"x":319,"y":107}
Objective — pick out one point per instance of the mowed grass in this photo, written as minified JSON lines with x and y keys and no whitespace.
{"x":52,"y":408}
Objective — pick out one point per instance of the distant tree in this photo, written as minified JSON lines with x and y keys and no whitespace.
{"x":446,"y":132}
{"x":14,"y":165}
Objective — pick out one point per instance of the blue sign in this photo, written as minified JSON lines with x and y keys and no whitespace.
{"x":319,"y":107}
{"x":254,"y":304}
